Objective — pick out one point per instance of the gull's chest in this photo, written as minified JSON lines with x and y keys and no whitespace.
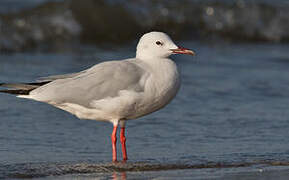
{"x":165,"y":87}
{"x":161,"y":87}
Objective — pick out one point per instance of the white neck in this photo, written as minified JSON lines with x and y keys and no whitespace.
{"x":141,"y":55}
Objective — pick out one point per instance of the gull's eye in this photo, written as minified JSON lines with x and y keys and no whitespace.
{"x":159,"y":43}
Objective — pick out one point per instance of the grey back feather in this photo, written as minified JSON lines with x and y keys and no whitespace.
{"x":100,"y":81}
{"x":62,"y":76}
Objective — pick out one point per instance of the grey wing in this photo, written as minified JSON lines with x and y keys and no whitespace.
{"x":100,"y":81}
{"x":62,"y":76}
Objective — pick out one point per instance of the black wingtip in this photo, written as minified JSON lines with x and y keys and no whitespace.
{"x":16,"y":91}
{"x":39,"y":83}
{"x":21,"y":88}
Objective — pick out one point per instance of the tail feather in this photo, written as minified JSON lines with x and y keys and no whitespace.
{"x":21,"y":88}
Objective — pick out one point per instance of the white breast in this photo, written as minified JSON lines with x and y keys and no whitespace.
{"x":161,"y":87}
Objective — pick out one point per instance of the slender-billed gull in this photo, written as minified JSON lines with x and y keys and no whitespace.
{"x":114,"y":91}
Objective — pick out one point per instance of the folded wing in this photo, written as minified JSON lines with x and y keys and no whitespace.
{"x":99,"y":82}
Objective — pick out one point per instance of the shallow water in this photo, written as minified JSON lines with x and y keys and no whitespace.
{"x":230,"y":117}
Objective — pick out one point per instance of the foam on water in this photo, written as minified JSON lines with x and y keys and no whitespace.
{"x":38,"y":170}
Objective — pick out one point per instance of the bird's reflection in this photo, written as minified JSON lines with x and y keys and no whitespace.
{"x":119,"y":175}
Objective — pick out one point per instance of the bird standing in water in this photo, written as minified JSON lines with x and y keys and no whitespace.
{"x":114,"y":91}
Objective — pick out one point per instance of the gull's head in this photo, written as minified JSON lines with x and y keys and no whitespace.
{"x":158,"y":45}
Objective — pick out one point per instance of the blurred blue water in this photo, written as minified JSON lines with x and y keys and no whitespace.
{"x":232,"y":107}
{"x":56,"y":25}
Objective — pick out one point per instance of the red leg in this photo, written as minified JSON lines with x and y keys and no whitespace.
{"x":113,"y":141}
{"x":123,"y":175}
{"x":123,"y":140}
